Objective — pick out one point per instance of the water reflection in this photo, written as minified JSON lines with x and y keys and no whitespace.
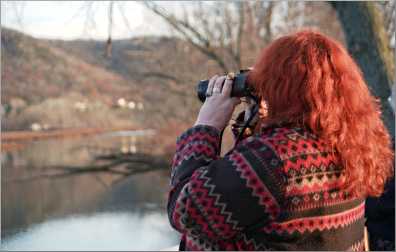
{"x":35,"y":210}
{"x":104,"y":231}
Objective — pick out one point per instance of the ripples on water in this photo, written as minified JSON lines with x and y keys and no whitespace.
{"x":104,"y":231}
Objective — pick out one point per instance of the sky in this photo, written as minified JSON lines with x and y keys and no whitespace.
{"x":68,"y":19}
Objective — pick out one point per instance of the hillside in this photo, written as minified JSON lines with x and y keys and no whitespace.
{"x":45,"y":81}
{"x":34,"y":70}
{"x":166,"y":68}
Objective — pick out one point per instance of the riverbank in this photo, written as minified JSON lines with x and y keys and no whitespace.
{"x":11,"y":140}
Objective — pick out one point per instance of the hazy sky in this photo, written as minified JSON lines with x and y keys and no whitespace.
{"x":72,"y":19}
{"x":68,"y":19}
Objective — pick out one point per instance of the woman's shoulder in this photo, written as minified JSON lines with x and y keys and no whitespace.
{"x":290,"y":141}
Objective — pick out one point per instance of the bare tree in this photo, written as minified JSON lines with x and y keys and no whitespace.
{"x":363,"y":20}
{"x":18,"y":9}
{"x":116,"y":164}
{"x":220,"y":30}
{"x":108,"y":43}
{"x":388,"y":10}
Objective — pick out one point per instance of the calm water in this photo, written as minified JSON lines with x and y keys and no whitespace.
{"x":89,"y":211}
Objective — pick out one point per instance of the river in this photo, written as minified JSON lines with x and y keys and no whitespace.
{"x":87,"y":211}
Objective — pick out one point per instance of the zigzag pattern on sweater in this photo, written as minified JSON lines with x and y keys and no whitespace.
{"x":228,"y":203}
{"x":206,"y":152}
{"x":204,"y":191}
{"x":320,"y":223}
{"x":194,"y":155}
{"x":250,"y":244}
{"x":200,"y":244}
{"x":187,"y":215}
{"x":259,"y":189}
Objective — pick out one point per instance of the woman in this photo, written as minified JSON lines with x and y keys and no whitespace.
{"x":300,"y":182}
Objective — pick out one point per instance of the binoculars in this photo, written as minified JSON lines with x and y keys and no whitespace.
{"x":240,"y":86}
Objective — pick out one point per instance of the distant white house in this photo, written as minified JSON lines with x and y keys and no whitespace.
{"x":124,"y":149}
{"x":132,"y":149}
{"x":122,"y":102}
{"x":36,"y":127}
{"x":80,"y":106}
{"x":131,"y":105}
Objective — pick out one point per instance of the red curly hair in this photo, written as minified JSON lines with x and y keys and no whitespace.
{"x":310,"y":80}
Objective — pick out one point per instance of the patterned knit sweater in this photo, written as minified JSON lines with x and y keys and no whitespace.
{"x":278,"y":190}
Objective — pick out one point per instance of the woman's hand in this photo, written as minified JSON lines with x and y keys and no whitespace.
{"x":219,"y":105}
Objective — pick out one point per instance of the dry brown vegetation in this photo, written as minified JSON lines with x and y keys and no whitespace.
{"x":43,"y":79}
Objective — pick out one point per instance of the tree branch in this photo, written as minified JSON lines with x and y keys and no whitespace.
{"x":120,"y":164}
{"x":183,"y":27}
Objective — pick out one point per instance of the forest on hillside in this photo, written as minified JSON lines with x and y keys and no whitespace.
{"x":159,"y":72}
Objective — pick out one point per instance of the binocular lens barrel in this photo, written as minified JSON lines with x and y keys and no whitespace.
{"x":239,"y":87}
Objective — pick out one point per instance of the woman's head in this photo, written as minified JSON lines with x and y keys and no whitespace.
{"x":310,"y":80}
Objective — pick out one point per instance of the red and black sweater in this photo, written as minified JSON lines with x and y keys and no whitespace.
{"x":278,"y":190}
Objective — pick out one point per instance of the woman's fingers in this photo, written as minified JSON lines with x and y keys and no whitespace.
{"x":218,"y":86}
{"x":212,"y":80}
{"x":217,"y":109}
{"x":227,"y":87}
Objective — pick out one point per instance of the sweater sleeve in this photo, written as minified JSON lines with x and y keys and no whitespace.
{"x":219,"y":197}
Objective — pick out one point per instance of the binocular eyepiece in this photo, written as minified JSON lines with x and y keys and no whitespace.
{"x":240,"y":86}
